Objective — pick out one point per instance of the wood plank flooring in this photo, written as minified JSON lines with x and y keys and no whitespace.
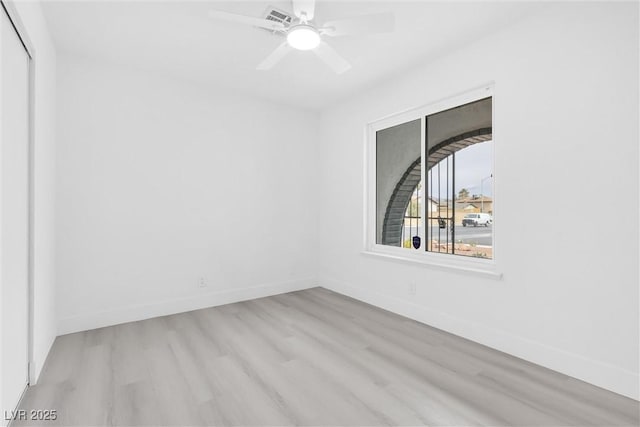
{"x":311,"y":357}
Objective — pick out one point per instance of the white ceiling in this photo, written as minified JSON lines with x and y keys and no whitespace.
{"x":177,"y":38}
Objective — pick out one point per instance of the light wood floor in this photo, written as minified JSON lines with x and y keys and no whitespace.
{"x":305,"y":358}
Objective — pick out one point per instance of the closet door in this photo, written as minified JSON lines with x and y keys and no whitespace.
{"x":14,"y":212}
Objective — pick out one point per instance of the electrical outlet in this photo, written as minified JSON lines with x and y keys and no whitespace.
{"x":202,"y":282}
{"x":412,"y":288}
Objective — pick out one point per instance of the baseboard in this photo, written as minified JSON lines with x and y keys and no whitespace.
{"x":600,"y":374}
{"x":88,"y":321}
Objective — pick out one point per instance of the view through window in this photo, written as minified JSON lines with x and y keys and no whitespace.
{"x":449,"y":209}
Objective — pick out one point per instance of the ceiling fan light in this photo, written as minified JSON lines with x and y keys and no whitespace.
{"x":303,"y":37}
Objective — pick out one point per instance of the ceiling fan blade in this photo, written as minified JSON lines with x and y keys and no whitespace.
{"x":365,"y":24}
{"x":304,"y":8}
{"x":275,"y":57}
{"x":332,"y":58}
{"x":247,"y":20}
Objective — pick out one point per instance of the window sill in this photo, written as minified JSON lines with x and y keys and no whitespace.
{"x":481,"y":268}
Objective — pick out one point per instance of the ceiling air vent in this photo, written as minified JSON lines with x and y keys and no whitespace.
{"x":277,"y":15}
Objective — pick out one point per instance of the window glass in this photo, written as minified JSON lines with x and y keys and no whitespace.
{"x":459,"y":180}
{"x":398,"y":172}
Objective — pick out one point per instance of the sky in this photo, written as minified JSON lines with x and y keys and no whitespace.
{"x":473,"y":165}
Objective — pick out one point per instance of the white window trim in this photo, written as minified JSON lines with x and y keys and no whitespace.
{"x":478,"y":266}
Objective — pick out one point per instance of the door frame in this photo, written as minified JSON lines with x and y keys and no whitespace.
{"x":9,"y":8}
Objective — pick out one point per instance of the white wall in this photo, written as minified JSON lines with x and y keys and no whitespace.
{"x":160,"y":182}
{"x":566,"y":137}
{"x":44,"y":320}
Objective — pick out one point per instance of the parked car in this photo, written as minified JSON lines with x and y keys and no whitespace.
{"x":477,"y":219}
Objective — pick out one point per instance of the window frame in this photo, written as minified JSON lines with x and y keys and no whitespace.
{"x":460,"y":263}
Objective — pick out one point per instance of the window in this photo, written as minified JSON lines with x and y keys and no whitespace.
{"x":430,"y":181}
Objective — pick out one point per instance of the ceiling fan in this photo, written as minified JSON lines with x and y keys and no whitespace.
{"x":303,"y":33}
